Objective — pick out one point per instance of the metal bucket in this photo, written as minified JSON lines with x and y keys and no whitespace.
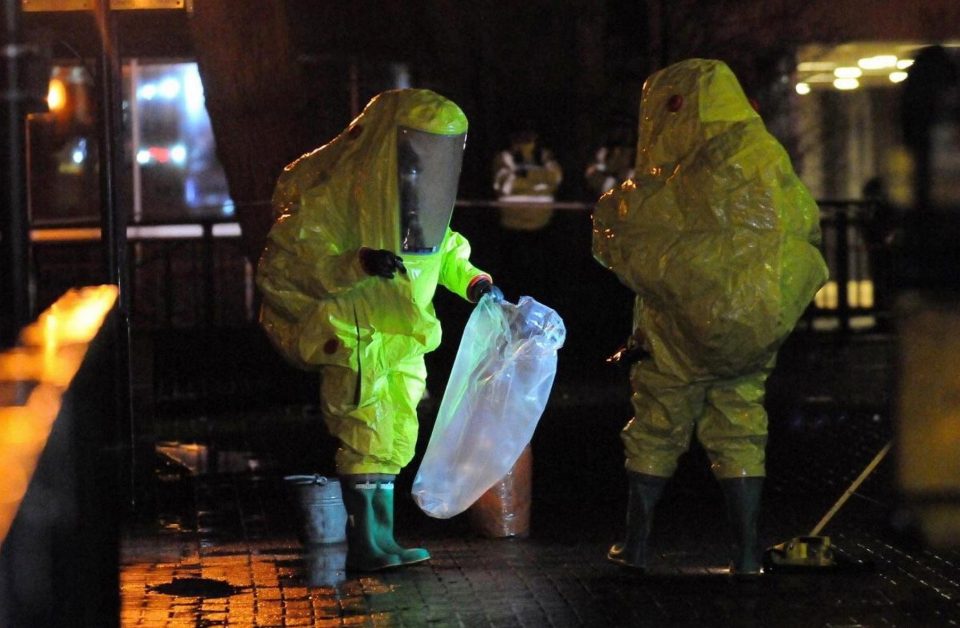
{"x":326,"y":565}
{"x":323,"y":518}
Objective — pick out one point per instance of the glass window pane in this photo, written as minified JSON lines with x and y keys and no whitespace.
{"x":172,"y":145}
{"x":62,"y":151}
{"x":169,"y":151}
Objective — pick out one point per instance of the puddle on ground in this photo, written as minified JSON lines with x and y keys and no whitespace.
{"x":197,"y":587}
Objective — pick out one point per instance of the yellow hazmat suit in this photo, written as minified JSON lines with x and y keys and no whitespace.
{"x":718,"y":238}
{"x":368,"y":334}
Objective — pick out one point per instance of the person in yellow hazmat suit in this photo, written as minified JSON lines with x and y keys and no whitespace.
{"x":348,"y":276}
{"x":719,"y":240}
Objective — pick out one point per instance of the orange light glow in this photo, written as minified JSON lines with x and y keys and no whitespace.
{"x":65,"y":234}
{"x":20,"y":428}
{"x":19,"y":365}
{"x":13,"y":484}
{"x":51,"y":351}
{"x":23,"y":434}
{"x":75,"y":317}
{"x":56,"y":95}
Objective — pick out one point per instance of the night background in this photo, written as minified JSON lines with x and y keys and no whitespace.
{"x":142,"y":147}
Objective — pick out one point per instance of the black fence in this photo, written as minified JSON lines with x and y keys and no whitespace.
{"x":181,"y":275}
{"x":193,"y":319}
{"x":192,"y":274}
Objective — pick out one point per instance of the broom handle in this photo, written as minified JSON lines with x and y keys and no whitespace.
{"x":853,"y":487}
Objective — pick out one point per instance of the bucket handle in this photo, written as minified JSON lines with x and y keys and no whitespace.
{"x":304,"y":480}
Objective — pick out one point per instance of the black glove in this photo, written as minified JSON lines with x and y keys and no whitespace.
{"x":626,"y":355}
{"x":381,"y":263}
{"x":481,"y":288}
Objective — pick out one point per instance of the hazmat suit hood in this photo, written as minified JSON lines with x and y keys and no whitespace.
{"x":364,"y":166}
{"x":684,"y":106}
{"x":388,"y":181}
{"x":716,"y":234}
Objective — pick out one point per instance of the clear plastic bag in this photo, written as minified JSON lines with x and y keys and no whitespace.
{"x":498,"y":387}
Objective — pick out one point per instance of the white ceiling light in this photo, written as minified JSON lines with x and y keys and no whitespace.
{"x":846,"y":83}
{"x":878,"y":62}
{"x":803,"y":88}
{"x":870,"y":62}
{"x":848,"y":72}
{"x":898,"y":76}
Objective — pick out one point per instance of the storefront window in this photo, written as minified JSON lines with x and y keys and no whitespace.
{"x":172,"y":149}
{"x":62,"y":151}
{"x":169,"y":152}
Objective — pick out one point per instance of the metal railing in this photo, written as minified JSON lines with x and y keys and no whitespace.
{"x":185,"y":274}
{"x":193,"y":274}
{"x":853,"y":297}
{"x":854,"y":292}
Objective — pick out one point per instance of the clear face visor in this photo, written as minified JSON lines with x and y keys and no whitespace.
{"x":428,"y":171}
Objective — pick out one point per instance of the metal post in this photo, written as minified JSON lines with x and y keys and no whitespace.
{"x":14,"y":223}
{"x":208,"y":274}
{"x":169,"y":294}
{"x":113,"y":220}
{"x":841,"y":224}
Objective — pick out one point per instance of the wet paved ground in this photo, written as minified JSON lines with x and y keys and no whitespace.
{"x":215,"y":544}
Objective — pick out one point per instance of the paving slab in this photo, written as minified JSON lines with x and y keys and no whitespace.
{"x":218,"y":545}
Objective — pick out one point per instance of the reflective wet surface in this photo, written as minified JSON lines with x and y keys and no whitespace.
{"x":216,"y":543}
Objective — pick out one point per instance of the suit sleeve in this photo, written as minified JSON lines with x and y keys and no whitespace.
{"x":457,"y":274}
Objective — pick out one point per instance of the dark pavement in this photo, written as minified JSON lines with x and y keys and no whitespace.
{"x":214,"y":543}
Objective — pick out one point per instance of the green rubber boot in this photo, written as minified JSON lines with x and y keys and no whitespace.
{"x":363,"y":551}
{"x":645,"y":491}
{"x":383,"y":511}
{"x":742,"y":496}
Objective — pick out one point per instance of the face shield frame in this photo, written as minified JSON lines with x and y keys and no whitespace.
{"x":428,"y":175}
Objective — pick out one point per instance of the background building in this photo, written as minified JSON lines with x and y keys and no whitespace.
{"x":218,"y":95}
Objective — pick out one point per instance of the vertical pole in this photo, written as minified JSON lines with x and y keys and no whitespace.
{"x":113,"y":221}
{"x":843,"y":266}
{"x":169,"y":296}
{"x":135,"y":140}
{"x":208,"y":274}
{"x":14,"y":224}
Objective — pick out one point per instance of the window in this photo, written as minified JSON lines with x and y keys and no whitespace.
{"x":169,"y":152}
